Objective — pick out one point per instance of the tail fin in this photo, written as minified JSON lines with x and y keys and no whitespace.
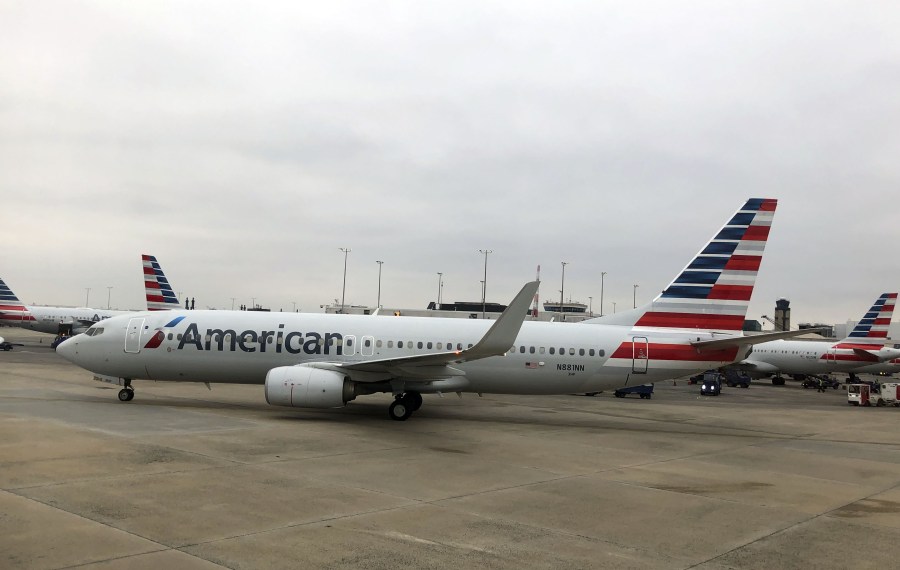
{"x":160,"y":296}
{"x":12,"y":311}
{"x":874,"y":325}
{"x":713,"y":291}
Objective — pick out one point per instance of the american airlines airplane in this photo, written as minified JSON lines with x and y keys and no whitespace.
{"x":47,"y":319}
{"x":52,"y":320}
{"x":862,"y":351}
{"x":327,"y":360}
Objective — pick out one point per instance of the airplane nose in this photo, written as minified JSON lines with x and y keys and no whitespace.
{"x":68,"y":349}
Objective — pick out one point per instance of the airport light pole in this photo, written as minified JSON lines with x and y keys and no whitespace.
{"x":108,"y":295}
{"x":591,"y":306}
{"x":378,"y":302}
{"x":87,"y":296}
{"x":346,"y":250}
{"x":634,"y":302}
{"x":562,"y":315}
{"x":232,"y":303}
{"x":484,"y":283}
{"x":294,"y":303}
{"x":437,"y":307}
{"x":602,"y":275}
{"x":614,"y":307}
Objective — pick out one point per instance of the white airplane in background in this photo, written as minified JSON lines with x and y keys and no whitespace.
{"x":46,"y":319}
{"x":53,"y":320}
{"x":326,"y":360}
{"x":862,"y":350}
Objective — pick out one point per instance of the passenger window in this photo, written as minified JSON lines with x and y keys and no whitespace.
{"x":349,"y":342}
{"x":399,"y":344}
{"x":531,"y":350}
{"x":377,"y":344}
{"x":179,"y":336}
{"x":390,"y":344}
{"x":601,"y":352}
{"x":439,"y":346}
{"x":580,"y":352}
{"x":571,"y":352}
{"x":542,"y":350}
{"x":522,"y":349}
{"x":419,"y":344}
{"x":429,"y":345}
{"x":459,"y":346}
{"x":591,"y":352}
{"x":552,"y":350}
{"x":367,"y":343}
{"x":170,"y":336}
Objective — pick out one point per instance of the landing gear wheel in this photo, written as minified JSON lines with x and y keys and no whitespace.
{"x":126,"y":394}
{"x":400,"y":410}
{"x":413,"y":400}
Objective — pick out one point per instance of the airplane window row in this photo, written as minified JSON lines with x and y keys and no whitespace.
{"x":562,"y":351}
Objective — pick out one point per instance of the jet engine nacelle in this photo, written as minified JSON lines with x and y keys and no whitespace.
{"x":306,"y":387}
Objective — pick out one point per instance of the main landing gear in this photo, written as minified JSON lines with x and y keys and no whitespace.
{"x":126,"y":394}
{"x":404,"y":405}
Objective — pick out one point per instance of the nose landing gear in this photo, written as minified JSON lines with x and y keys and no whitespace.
{"x":126,"y":394}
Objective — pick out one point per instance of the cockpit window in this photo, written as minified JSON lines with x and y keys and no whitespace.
{"x":94,"y":331}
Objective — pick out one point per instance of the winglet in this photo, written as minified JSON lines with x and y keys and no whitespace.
{"x":502,"y":334}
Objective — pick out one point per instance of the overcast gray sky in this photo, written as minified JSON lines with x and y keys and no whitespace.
{"x":244,"y":145}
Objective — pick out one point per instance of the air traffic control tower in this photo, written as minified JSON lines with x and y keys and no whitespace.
{"x":782,"y":315}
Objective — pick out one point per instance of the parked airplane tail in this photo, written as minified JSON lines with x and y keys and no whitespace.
{"x":12,"y":311}
{"x":713,"y":291}
{"x":872,"y":329}
{"x":160,"y":296}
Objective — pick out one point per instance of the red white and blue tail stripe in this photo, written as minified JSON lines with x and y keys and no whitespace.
{"x":713,"y":291}
{"x":12,"y":311}
{"x":875,"y":323}
{"x":160,"y":296}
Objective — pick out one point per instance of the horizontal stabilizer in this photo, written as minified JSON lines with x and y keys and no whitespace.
{"x":866,"y":355}
{"x":720,"y":343}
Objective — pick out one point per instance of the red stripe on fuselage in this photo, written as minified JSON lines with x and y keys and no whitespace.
{"x":691,"y":321}
{"x":682,"y":352}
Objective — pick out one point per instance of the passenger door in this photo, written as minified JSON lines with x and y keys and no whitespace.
{"x":640,"y":357}
{"x":133,"y":335}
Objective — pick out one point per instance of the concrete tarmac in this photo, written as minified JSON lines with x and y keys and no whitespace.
{"x":183,"y":477}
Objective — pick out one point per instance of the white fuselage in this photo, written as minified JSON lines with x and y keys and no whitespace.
{"x":812,"y":357}
{"x":243,"y":346}
{"x":48,"y":319}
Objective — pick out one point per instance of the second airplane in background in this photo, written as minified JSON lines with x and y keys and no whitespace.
{"x":862,"y":351}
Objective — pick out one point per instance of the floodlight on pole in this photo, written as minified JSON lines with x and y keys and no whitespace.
{"x":378,"y":301}
{"x":346,"y":250}
{"x":484,"y":283}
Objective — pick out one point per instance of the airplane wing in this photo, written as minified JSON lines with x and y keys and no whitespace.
{"x":495,"y":342}
{"x":754,"y":366}
{"x":739,"y":341}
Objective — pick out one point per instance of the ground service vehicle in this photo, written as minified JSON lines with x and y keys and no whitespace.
{"x":711,"y":384}
{"x":737,"y":378}
{"x":645,"y":391}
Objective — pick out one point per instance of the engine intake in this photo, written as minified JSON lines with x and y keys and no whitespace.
{"x":306,"y":387}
